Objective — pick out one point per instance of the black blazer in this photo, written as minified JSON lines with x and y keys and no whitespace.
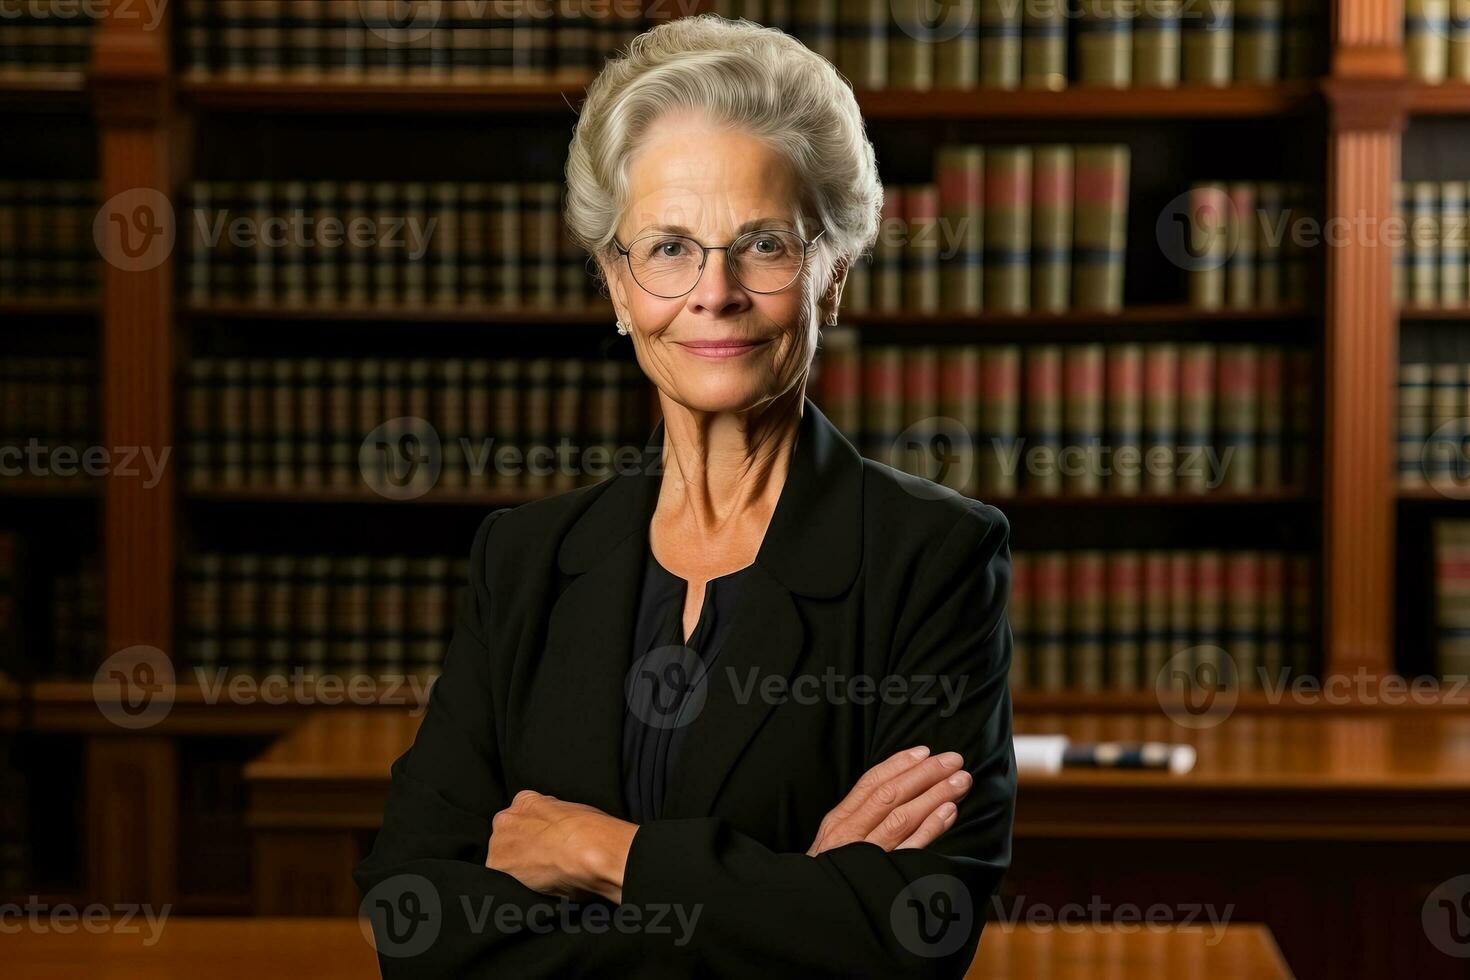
{"x":865,"y":572}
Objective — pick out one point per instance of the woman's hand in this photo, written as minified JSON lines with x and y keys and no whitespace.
{"x":560,"y":848}
{"x":907,"y":800}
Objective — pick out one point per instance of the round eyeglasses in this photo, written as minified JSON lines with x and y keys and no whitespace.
{"x":669,"y":266}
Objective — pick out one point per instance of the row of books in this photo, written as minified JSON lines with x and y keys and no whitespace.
{"x":331,"y":243}
{"x":47,"y":249}
{"x":510,"y":424}
{"x":45,"y":37}
{"x":1077,"y":419}
{"x":50,"y":614}
{"x":349,"y":614}
{"x":50,"y":402}
{"x":1452,"y":597}
{"x":1249,"y":243}
{"x":1117,"y":620}
{"x":1431,"y":242}
{"x":1434,"y":423}
{"x":1437,"y":40}
{"x":1003,"y":228}
{"x":907,"y":44}
{"x":471,"y":40}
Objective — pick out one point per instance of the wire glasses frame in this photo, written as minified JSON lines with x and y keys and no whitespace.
{"x":807,"y":245}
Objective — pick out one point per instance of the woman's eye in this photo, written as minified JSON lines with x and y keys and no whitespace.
{"x":668,"y":250}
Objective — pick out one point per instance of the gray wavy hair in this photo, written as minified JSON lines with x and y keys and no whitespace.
{"x":739,"y":73}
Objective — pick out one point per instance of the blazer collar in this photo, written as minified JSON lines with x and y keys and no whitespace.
{"x":814,"y":542}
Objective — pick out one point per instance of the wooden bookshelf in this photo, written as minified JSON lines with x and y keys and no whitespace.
{"x":1433,"y":314}
{"x":1448,"y":99}
{"x":147,"y":118}
{"x":542,"y":94}
{"x":43,"y":91}
{"x":41,"y":308}
{"x":561,"y":93}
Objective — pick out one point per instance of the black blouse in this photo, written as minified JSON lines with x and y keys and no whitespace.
{"x":665,"y":686}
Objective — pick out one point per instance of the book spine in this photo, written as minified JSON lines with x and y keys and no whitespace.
{"x":1000,"y":419}
{"x":957,"y":56}
{"x":921,"y":249}
{"x":1240,"y":266}
{"x":1270,"y":456}
{"x":1157,"y":607}
{"x":1125,"y":417}
{"x":1452,"y":245}
{"x":1238,"y":400}
{"x":1104,"y":43}
{"x":1209,"y":243}
{"x":1424,"y":243}
{"x":1273,"y":617}
{"x":1426,"y":35}
{"x":1207,"y":43}
{"x":1243,"y":616}
{"x":1051,"y":228}
{"x":960,"y":174}
{"x":960,"y":389}
{"x":388,"y":654}
{"x":1007,"y":228}
{"x":1257,"y":42}
{"x":1415,"y":416}
{"x":910,"y":52}
{"x":1086,"y":618}
{"x":506,"y":242}
{"x":1102,"y":218}
{"x":1125,"y":610}
{"x":1271,"y":235}
{"x":1049,"y":620}
{"x":1196,"y":418}
{"x":1043,"y":408}
{"x":882,"y":402}
{"x":917,"y":449}
{"x":1000,"y":44}
{"x":1043,"y":48}
{"x":1082,"y":432}
{"x":1161,"y":417}
{"x":1156,"y":45}
{"x":862,"y":49}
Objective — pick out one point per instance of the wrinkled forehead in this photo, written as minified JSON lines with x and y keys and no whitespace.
{"x":710,"y":181}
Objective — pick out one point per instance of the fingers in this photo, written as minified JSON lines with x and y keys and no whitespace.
{"x":933,"y":826}
{"x":890,"y":767}
{"x":891,"y":794}
{"x":909,"y":819}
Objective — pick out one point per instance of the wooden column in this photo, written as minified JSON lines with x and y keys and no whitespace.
{"x":1365,"y":96}
{"x":132,"y":778}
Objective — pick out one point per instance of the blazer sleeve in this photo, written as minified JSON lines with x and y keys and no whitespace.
{"x":435,"y":909}
{"x":858,"y":911}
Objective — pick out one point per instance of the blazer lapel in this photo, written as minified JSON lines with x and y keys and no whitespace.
{"x":765,"y":642}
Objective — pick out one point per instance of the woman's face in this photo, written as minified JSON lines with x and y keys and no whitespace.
{"x":719,"y":347}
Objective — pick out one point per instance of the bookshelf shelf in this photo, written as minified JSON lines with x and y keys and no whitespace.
{"x":1429,"y":495}
{"x":49,"y":307}
{"x":1412,"y":314}
{"x":451,"y":498}
{"x":1162,"y":314}
{"x":71,"y":706}
{"x":1262,"y":498}
{"x":1448,"y":99}
{"x":74,"y":488}
{"x":543,"y":94}
{"x":43,"y":91}
{"x":560,"y":92}
{"x":380,"y":314}
{"x":1357,"y":698}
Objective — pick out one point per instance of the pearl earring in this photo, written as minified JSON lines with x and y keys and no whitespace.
{"x":622,"y":328}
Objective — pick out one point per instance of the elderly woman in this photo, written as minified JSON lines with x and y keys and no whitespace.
{"x":741,"y":710}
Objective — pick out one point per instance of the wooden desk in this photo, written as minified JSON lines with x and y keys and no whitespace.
{"x":335,"y":949}
{"x":1389,"y":777}
{"x":1330,"y":828}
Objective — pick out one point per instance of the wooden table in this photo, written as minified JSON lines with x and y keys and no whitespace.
{"x":329,"y":949}
{"x":1332,"y":828}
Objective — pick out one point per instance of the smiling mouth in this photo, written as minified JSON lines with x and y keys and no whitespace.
{"x":720,"y":348}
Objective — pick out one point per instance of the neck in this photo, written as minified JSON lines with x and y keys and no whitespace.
{"x":722,"y":467}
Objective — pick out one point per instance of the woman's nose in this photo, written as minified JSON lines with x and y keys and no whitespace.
{"x":718,"y":290}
